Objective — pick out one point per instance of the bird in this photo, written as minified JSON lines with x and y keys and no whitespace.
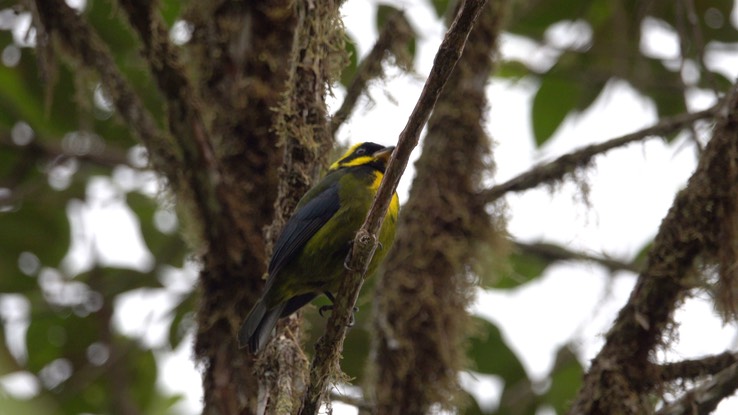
{"x":309,"y":255}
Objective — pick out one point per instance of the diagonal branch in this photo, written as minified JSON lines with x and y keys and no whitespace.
{"x":697,"y":368}
{"x":325,"y":364}
{"x":53,"y":151}
{"x":557,"y":169}
{"x":443,"y":230}
{"x":62,"y":23}
{"x":395,"y":35}
{"x":551,"y":252}
{"x":703,"y":399}
{"x":185,"y":119}
{"x":697,"y":224}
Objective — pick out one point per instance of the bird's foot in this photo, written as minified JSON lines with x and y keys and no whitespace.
{"x":351,"y":322}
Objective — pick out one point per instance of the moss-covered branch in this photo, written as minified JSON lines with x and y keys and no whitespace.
{"x":302,"y":128}
{"x":703,"y":399}
{"x":419,"y":320}
{"x":700,"y":223}
{"x":697,"y":368}
{"x":568,"y":163}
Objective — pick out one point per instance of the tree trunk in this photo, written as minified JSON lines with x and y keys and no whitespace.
{"x":424,"y":286}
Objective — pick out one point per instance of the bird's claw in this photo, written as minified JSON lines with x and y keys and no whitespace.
{"x":351,"y":322}
{"x":323,"y":309}
{"x":346,"y":263}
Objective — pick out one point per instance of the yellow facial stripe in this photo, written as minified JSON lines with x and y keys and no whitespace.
{"x":355,"y":162}
{"x":348,"y":152}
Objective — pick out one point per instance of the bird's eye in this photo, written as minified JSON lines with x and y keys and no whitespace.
{"x":360,"y":151}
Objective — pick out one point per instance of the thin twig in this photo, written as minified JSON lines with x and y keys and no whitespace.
{"x":551,"y":253}
{"x":52,"y":150}
{"x":325,"y":364}
{"x":703,"y":399}
{"x":360,"y":403}
{"x":697,"y":38}
{"x":557,"y":169}
{"x":395,"y":34}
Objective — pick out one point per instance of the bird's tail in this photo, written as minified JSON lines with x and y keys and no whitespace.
{"x":258,"y":326}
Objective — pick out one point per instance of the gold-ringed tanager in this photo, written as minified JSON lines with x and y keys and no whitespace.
{"x":309,"y":255}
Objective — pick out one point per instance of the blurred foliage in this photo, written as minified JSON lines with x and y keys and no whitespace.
{"x":604,"y":41}
{"x":55,"y":138}
{"x":58,"y":134}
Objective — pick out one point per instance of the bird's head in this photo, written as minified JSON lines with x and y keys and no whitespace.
{"x":364,"y":154}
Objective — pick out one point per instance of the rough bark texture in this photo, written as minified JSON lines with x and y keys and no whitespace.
{"x":700,"y":224}
{"x":239,"y":50}
{"x":219,"y":154}
{"x":302,"y":128}
{"x":418,"y":346}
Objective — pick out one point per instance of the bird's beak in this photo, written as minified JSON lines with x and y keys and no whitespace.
{"x":384,"y":154}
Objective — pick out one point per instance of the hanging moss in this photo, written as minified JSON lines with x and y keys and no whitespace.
{"x":425,"y":286}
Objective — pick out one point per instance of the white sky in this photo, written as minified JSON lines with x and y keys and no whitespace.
{"x":631,"y":190}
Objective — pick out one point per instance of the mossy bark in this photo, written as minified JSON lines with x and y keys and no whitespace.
{"x":425,"y":287}
{"x":239,"y":55}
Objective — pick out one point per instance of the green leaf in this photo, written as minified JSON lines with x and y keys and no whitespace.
{"x":28,"y":229}
{"x":162,"y":405}
{"x":555,"y":99}
{"x":36,"y":406}
{"x":167,"y":248}
{"x":491,"y":355}
{"x":182,"y":321}
{"x":170,"y":10}
{"x":566,"y":379}
{"x":349,"y":72}
{"x":523,"y":268}
{"x":59,"y":333}
{"x":384,"y":12}
{"x":511,"y":69}
{"x":143,"y":371}
{"x":111,"y":24}
{"x":440,"y":6}
{"x":23,"y":97}
{"x":534,"y":18}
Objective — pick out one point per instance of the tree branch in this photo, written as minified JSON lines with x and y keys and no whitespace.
{"x":551,"y":252}
{"x":697,"y":224}
{"x":703,"y":399}
{"x":395,"y":35}
{"x":557,"y":169}
{"x":444,"y":228}
{"x":360,"y":403}
{"x":52,"y":150}
{"x":302,"y":128}
{"x":697,"y":368}
{"x":325,"y":364}
{"x":185,"y":122}
{"x":57,"y":19}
